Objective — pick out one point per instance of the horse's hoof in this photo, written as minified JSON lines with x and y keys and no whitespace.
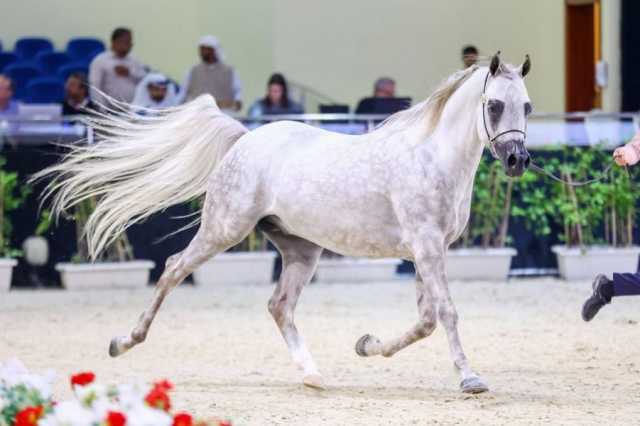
{"x":114,"y":349}
{"x":368,"y":345}
{"x":473,"y":385}
{"x":314,"y":381}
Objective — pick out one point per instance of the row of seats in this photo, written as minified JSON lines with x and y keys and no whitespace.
{"x":38,"y":72}
{"x":79,"y":48}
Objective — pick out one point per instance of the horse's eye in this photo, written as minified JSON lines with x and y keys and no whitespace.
{"x":495,"y":107}
{"x":528,"y":109}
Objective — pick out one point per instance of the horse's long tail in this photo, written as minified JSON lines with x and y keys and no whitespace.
{"x":140,"y":165}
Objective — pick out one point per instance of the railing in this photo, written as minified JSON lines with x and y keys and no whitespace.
{"x":543,"y":129}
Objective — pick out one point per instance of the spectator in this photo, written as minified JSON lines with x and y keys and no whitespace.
{"x":76,"y":95}
{"x":156,"y":91}
{"x":383,"y":88}
{"x":276,"y":100}
{"x":213,"y":76}
{"x":8,"y":106}
{"x":469,"y":55}
{"x":116,"y":72}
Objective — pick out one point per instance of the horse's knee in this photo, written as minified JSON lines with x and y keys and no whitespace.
{"x":448,"y":314}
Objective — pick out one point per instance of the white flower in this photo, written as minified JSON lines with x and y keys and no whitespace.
{"x":143,"y":415}
{"x":11,"y":370}
{"x":131,"y":395}
{"x":70,"y":413}
{"x":2,"y":403}
{"x":13,"y":373}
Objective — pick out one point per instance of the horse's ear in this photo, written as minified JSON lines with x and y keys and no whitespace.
{"x":495,"y":64}
{"x":526,"y":66}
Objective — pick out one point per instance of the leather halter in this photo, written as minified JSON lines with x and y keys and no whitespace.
{"x":484,"y":120}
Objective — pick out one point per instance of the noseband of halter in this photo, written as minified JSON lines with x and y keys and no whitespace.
{"x":484,"y":120}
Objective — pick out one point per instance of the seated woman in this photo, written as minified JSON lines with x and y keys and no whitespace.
{"x":276,"y":101}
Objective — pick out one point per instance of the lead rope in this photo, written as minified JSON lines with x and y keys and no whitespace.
{"x":542,"y":171}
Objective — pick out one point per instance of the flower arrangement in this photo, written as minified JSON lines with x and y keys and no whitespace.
{"x":26,"y":400}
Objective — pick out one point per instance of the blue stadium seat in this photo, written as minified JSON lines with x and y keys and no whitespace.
{"x":84,"y":49}
{"x":28,"y":47}
{"x":66,"y":70}
{"x":21,"y":73}
{"x":45,"y":90}
{"x":50,"y":62}
{"x":7,"y":59}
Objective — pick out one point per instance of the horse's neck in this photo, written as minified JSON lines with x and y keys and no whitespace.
{"x":455,"y":144}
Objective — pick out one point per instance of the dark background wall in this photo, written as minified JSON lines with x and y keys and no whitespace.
{"x":630,"y":55}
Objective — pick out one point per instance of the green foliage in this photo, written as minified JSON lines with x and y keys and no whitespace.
{"x":13,"y":196}
{"x":602,"y":212}
{"x":533,"y":203}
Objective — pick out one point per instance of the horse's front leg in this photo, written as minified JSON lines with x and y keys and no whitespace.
{"x":369,"y":345}
{"x":471,"y":382}
{"x":434,"y":302}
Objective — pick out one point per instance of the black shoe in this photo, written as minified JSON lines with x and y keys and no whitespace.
{"x":599,"y":298}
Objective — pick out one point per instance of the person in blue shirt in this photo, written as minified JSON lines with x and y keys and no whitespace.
{"x":8,"y":106}
{"x":276,"y":100}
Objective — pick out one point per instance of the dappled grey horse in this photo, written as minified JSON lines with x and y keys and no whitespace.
{"x":403,"y":190}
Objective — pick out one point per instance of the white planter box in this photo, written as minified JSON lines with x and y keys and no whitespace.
{"x":6,"y":269}
{"x":351,"y":270}
{"x":479,"y":264}
{"x":236,"y":268}
{"x":103,"y":275}
{"x":575,"y":263}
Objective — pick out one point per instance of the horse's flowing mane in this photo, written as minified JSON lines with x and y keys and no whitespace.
{"x":430,"y":110}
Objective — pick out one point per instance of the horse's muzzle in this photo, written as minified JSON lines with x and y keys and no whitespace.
{"x":514,"y":156}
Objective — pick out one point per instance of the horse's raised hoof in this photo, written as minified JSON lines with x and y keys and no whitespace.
{"x":314,"y":381}
{"x":114,"y":348}
{"x":473,"y":385}
{"x":368,"y":345}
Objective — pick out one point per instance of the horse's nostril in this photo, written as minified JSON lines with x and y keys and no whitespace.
{"x":512,"y":160}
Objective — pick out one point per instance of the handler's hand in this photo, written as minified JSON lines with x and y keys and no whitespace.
{"x":618,"y":156}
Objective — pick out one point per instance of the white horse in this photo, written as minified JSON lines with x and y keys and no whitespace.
{"x":403,"y":191}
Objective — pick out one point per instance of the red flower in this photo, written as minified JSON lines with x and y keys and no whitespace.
{"x":115,"y":418}
{"x":164,"y":385}
{"x":182,"y":419}
{"x":158,"y":398}
{"x":82,"y":379}
{"x":29,"y":416}
{"x":224,"y":423}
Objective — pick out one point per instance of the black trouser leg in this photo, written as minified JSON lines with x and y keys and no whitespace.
{"x":626,"y":284}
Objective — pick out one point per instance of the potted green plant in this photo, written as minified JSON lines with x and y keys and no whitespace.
{"x":248,"y":263}
{"x":12,"y":197}
{"x":598,"y":220}
{"x":115,"y":269}
{"x":481,"y":252}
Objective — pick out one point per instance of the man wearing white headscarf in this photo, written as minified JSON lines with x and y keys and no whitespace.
{"x":156,"y":91}
{"x":214,"y":77}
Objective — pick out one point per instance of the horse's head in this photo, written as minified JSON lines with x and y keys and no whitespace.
{"x":503,"y":114}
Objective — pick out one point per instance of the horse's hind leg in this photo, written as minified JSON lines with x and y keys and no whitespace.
{"x":218,"y":231}
{"x":299,"y":260}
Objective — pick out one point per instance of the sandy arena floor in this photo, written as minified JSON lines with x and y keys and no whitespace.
{"x":226,"y":357}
